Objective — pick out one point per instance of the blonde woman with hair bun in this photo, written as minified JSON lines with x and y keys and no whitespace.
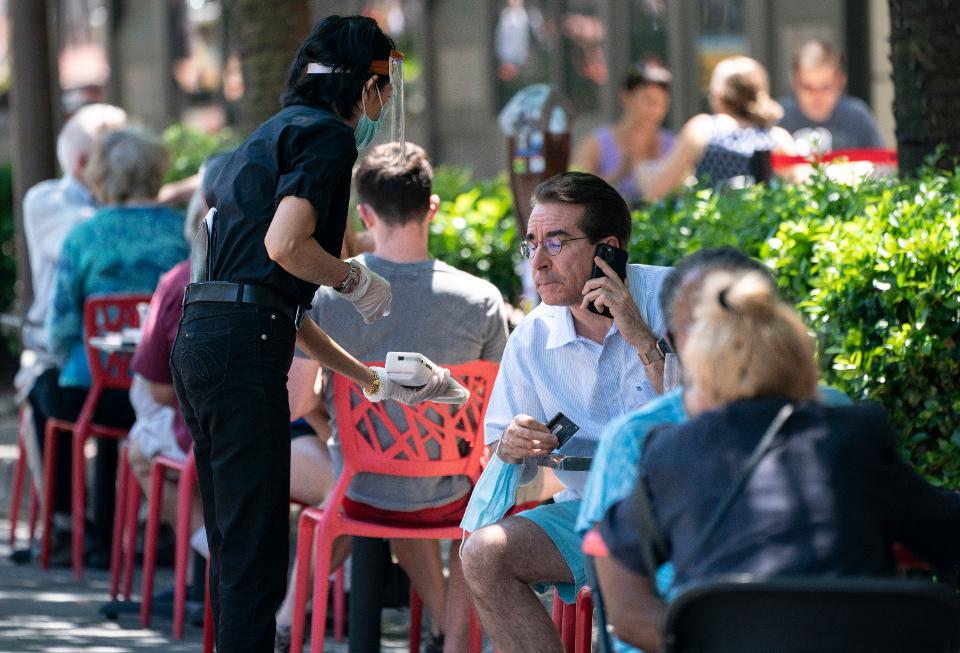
{"x":764,"y":480}
{"x":745,"y":343}
{"x":718,"y":148}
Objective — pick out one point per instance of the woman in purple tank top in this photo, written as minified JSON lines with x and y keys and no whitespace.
{"x":613,"y":152}
{"x":721,"y":148}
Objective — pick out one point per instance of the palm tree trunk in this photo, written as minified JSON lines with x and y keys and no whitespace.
{"x":267,"y":35}
{"x":926,"y":80}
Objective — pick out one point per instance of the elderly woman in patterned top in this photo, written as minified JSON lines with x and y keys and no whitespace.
{"x":124,"y":248}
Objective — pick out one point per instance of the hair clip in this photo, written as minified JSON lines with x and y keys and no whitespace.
{"x":722,"y":298}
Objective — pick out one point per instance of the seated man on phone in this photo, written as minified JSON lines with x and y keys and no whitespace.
{"x":564,"y":358}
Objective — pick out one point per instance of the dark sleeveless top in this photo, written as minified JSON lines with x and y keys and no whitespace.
{"x":726,"y":161}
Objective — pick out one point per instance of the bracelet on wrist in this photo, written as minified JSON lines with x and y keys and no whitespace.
{"x":350,"y":282}
{"x":374,"y":386}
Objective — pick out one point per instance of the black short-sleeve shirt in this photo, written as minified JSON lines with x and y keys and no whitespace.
{"x":303,"y":151}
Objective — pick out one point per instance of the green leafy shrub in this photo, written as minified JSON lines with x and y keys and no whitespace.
{"x":875,"y":270}
{"x":475,"y":230}
{"x":191,"y":147}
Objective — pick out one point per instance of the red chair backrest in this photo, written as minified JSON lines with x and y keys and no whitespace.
{"x":428,"y":439}
{"x":110,"y":314}
{"x":877,"y":156}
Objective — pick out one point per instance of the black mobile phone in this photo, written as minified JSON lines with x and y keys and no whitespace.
{"x":562,"y":427}
{"x":616,"y":258}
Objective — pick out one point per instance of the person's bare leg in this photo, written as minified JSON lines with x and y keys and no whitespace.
{"x":311,"y":481}
{"x":499,"y":563}
{"x":341,"y":549}
{"x":420,"y":559}
{"x":459,"y":606}
{"x":311,"y":472}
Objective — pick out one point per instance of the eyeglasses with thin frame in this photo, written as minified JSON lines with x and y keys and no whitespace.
{"x":553,"y":244}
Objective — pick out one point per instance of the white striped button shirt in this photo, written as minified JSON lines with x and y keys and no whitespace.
{"x":547,"y":368}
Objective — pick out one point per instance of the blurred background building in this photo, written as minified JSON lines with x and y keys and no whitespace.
{"x":177,"y":60}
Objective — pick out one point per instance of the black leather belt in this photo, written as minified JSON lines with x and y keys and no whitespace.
{"x":228,"y":292}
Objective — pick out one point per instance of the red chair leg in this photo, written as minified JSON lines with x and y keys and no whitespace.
{"x":79,"y":501}
{"x":321,"y":582}
{"x":569,"y":630}
{"x":584,"y":619}
{"x":207,"y":615}
{"x":416,"y":621}
{"x":134,"y":494}
{"x":34,"y":507}
{"x":119,"y":520}
{"x":50,"y":441}
{"x":182,"y":552}
{"x":150,"y":542}
{"x":16,"y":494}
{"x":301,"y":581}
{"x":339,"y":606}
{"x":557,"y":612}
{"x":476,"y":633}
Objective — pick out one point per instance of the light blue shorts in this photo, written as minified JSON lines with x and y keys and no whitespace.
{"x":557,"y":520}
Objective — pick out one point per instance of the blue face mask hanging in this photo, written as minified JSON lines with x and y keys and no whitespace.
{"x":494,"y":494}
{"x":366,"y":129}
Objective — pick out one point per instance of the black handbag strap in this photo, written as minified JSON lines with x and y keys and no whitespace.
{"x":653,"y":546}
{"x":764,"y":446}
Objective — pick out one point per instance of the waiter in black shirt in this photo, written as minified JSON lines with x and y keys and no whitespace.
{"x":280,"y":209}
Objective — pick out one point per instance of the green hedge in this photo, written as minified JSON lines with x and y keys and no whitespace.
{"x":874,"y":269}
{"x":475,"y":230}
{"x":191,"y":147}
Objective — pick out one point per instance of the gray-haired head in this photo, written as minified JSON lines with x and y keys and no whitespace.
{"x":126,"y":165}
{"x":78,"y":134}
{"x":689,"y":273}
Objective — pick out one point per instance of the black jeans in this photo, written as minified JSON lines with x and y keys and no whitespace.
{"x":230,"y":365}
{"x":44,"y":398}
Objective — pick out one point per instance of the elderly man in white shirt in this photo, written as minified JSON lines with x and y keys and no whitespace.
{"x":561,"y":358}
{"x":51,"y":209}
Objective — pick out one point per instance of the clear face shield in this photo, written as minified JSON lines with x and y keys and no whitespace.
{"x":394,"y":68}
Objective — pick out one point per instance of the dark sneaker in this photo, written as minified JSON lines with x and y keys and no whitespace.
{"x":21,"y":556}
{"x":434,"y":644}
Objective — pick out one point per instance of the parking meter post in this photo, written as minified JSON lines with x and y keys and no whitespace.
{"x":537,"y":122}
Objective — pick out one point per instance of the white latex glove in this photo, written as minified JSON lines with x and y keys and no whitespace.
{"x":372,"y":296}
{"x":435,"y":387}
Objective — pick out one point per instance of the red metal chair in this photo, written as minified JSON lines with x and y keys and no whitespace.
{"x":103,"y":314}
{"x":575,"y":622}
{"x":125,"y":519}
{"x":456,"y":431}
{"x":16,"y":495}
{"x":185,"y":490}
{"x":207,"y":613}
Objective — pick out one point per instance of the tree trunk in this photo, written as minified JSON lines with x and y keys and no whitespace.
{"x":267,"y":35}
{"x":926,"y":80}
{"x":34,"y":130}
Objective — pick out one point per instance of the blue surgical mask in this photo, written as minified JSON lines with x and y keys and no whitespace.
{"x":366,"y":129}
{"x":494,"y":494}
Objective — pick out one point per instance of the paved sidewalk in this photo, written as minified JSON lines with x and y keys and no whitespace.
{"x":49,"y":612}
